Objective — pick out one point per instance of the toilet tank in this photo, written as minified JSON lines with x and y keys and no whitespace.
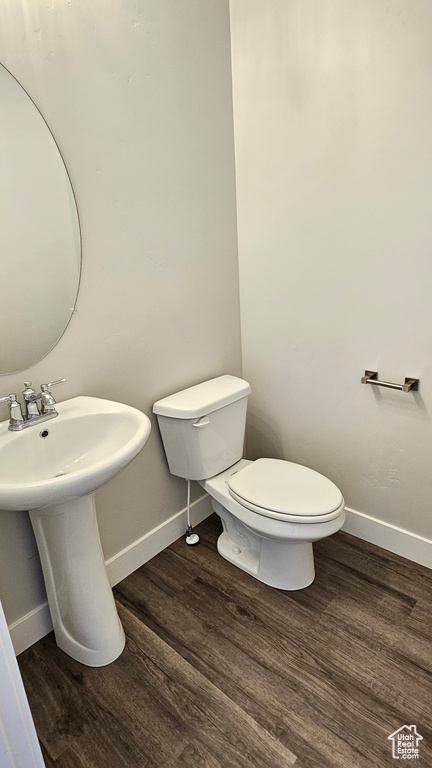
{"x":203,"y":427}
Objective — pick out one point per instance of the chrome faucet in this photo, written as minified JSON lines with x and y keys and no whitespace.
{"x":33,"y":414}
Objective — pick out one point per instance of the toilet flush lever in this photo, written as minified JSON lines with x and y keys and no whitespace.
{"x":202,"y":422}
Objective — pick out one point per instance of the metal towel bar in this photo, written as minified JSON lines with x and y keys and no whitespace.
{"x":371,"y":377}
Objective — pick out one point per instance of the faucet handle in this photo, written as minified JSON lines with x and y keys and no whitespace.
{"x":44,"y":387}
{"x":47,"y":399}
{"x":16,"y":419}
{"x":8,"y":398}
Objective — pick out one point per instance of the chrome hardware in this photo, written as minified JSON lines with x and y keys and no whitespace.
{"x":53,"y":383}
{"x":30,"y":401}
{"x":16,"y":418}
{"x":47,"y":400}
{"x":409,"y":385}
{"x":33,"y":415}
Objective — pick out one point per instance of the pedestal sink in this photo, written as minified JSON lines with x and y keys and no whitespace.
{"x":52,"y":470}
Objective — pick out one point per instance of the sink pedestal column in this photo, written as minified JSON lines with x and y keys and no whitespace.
{"x":80,"y":598}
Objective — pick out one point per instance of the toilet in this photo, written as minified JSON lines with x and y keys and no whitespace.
{"x":271,"y":510}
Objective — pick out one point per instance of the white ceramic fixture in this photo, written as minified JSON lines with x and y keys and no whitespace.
{"x":271,"y":510}
{"x":52,"y":469}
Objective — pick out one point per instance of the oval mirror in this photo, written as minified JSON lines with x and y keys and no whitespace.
{"x":40,"y":257}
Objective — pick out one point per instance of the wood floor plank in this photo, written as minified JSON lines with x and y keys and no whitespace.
{"x":205,"y":559}
{"x":97,"y":747}
{"x":377,"y":565}
{"x":49,"y":762}
{"x":396,"y":640}
{"x":312,"y":686}
{"x":257,"y":687}
{"x":172,"y":573}
{"x":373,"y":664}
{"x":133,"y":727}
{"x":59,"y":711}
{"x":196,"y":756}
{"x":221,"y":671}
{"x":203,"y":710}
{"x":420,"y":620}
{"x":339,"y":578}
{"x":327,"y":629}
{"x":119,"y":702}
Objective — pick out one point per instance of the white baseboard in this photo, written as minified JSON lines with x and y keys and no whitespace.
{"x":390,"y":537}
{"x":30,"y":628}
{"x":142,"y":550}
{"x":34,"y":625}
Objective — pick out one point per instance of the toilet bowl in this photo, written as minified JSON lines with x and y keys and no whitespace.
{"x":271,"y":510}
{"x":273,"y":546}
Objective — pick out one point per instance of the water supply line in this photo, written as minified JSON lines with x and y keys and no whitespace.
{"x":191,"y":537}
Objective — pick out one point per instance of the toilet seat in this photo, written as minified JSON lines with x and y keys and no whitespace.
{"x":286,"y":491}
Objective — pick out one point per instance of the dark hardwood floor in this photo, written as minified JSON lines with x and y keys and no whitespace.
{"x":221,"y":671}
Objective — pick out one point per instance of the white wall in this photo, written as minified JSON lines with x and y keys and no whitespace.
{"x":333,"y":126}
{"x":138,"y":96}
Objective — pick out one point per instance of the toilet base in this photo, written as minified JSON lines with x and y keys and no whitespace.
{"x":286,"y":565}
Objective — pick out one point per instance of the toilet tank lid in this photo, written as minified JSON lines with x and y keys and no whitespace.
{"x":202,"y":399}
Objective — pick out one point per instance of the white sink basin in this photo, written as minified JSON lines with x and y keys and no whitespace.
{"x":52,"y":469}
{"x":88,"y":443}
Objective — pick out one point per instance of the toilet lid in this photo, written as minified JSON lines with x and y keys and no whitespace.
{"x":281,"y":487}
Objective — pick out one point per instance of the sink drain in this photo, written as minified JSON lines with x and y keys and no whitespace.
{"x":44,"y":433}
